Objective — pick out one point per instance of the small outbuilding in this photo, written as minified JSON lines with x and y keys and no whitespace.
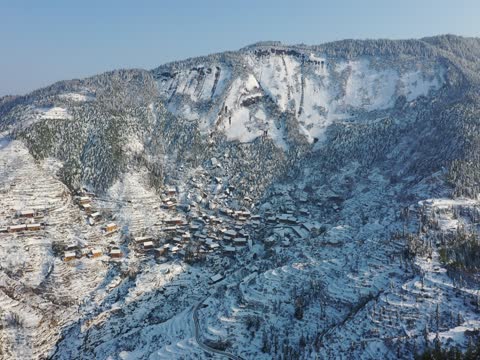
{"x":34,"y":227}
{"x":69,"y":255}
{"x":116,"y":253}
{"x":216,"y":278}
{"x":142,"y":239}
{"x":148,"y":245}
{"x":111,"y":227}
{"x":17,"y":228}
{"x":82,"y":200}
{"x":229,"y":250}
{"x":96,"y":253}
{"x":86,"y":207}
{"x":26,"y":213}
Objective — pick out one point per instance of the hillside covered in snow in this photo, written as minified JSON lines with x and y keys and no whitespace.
{"x":276,"y":202}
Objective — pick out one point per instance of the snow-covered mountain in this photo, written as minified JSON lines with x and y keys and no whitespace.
{"x":242,"y":97}
{"x":286,"y":202}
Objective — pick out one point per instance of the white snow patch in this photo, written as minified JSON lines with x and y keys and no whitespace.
{"x":54,"y":113}
{"x":369,"y":88}
{"x":415,"y":84}
{"x":251,"y":83}
{"x":135,"y":146}
{"x":243,"y":127}
{"x":78,"y":97}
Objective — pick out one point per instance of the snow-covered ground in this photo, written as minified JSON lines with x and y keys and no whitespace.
{"x":77,"y":97}
{"x":54,"y":113}
{"x":245,"y":241}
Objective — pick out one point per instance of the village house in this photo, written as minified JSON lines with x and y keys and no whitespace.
{"x":69,"y":255}
{"x":230,"y":233}
{"x":115,"y":253}
{"x":181,"y":232}
{"x":148,"y":245}
{"x":241,"y":214}
{"x":269,"y":241}
{"x":243,"y":233}
{"x":225,"y":211}
{"x":96,"y":216}
{"x":213,"y":246}
{"x":96,"y":253}
{"x":304,"y":212}
{"x":111,"y":227}
{"x":213,"y":160}
{"x":229,"y":250}
{"x":174,"y":221}
{"x":255,"y":223}
{"x":171,"y":191}
{"x":86,"y":207}
{"x":34,"y":227}
{"x":142,"y":239}
{"x":82,"y":200}
{"x":161,"y":251}
{"x":17,"y":228}
{"x":213,"y":236}
{"x":287,"y":219}
{"x":169,"y":204}
{"x":271,"y":219}
{"x":26,"y":213}
{"x":298,"y":231}
{"x":199,"y":220}
{"x":170,"y":229}
{"x":71,"y":247}
{"x":241,"y":241}
{"x":216,"y":278}
{"x":39,"y":215}
{"x":194,"y":227}
{"x":216,"y":220}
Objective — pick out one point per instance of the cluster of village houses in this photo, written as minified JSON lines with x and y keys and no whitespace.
{"x":221,"y":230}
{"x":226,"y":232}
{"x":186,"y":232}
{"x":25,"y":220}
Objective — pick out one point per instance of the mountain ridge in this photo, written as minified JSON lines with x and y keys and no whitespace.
{"x":441,"y":39}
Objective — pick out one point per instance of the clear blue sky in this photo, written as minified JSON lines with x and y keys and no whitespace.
{"x":45,"y":41}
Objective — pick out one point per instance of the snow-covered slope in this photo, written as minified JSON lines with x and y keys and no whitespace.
{"x":244,"y":98}
{"x":276,"y":202}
